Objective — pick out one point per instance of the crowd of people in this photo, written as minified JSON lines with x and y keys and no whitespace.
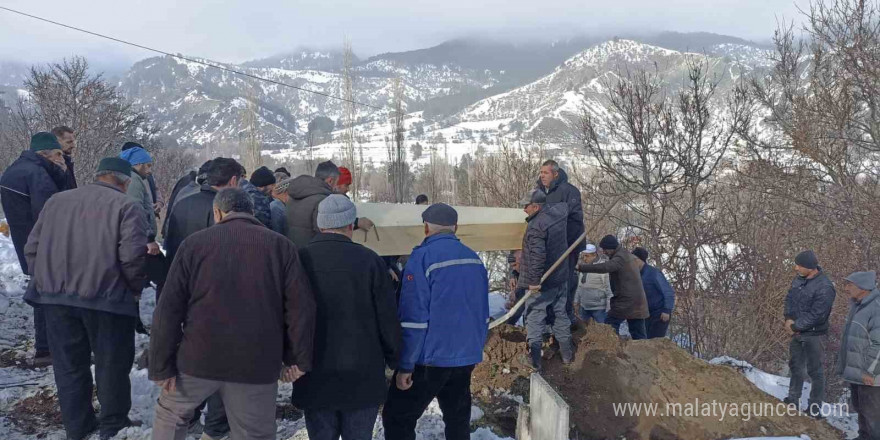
{"x":260,"y":281}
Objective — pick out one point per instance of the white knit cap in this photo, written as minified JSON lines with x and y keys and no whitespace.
{"x":591,"y":249}
{"x":335,"y":212}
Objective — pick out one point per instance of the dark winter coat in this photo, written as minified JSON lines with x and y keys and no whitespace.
{"x":190,"y":215}
{"x":629,"y":300}
{"x":809,"y":303}
{"x":88,"y":250}
{"x":279,"y":217}
{"x":561,"y":191}
{"x":25,"y":187}
{"x":261,"y":203}
{"x":357,"y":332}
{"x":306,"y":192}
{"x":236,"y":304}
{"x":70,"y":177}
{"x":188,"y":179}
{"x":860,"y":346}
{"x":661,"y":297}
{"x":543,"y":243}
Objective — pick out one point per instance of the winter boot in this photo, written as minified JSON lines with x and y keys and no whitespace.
{"x":42,"y":360}
{"x":815,"y":411}
{"x":535,"y":355}
{"x":791,"y":401}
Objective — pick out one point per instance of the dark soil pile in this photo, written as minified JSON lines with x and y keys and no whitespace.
{"x":608,"y":371}
{"x":37,"y":414}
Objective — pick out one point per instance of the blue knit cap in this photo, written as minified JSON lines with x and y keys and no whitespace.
{"x":136,"y":156}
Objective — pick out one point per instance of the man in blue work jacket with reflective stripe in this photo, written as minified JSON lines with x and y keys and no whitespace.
{"x":444,"y":314}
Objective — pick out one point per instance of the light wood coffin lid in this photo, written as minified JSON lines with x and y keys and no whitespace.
{"x":400,"y":227}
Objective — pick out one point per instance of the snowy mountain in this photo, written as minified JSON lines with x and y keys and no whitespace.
{"x":542,"y":111}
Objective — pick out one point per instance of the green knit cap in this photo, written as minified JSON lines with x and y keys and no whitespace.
{"x":43,"y":141}
{"x":115,"y":164}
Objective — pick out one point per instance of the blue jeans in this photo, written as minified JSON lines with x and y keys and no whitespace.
{"x":598,"y":315}
{"x":637,"y":328}
{"x":350,"y":425}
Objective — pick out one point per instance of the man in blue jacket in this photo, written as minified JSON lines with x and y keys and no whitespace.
{"x":444,"y":314}
{"x":661,"y":297}
{"x":25,"y":187}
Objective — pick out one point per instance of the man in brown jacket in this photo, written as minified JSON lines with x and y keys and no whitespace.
{"x":236,"y":304}
{"x":629,"y":302}
{"x":86,"y":254}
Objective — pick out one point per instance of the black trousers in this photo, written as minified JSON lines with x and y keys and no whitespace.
{"x":74,"y":334}
{"x":451,"y":387}
{"x":866,"y":402}
{"x":656,"y":327}
{"x":328,"y":424}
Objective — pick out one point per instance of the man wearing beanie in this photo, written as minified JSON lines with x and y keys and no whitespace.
{"x":658,"y":292}
{"x":24,"y":189}
{"x":357,"y":332}
{"x":237,"y":306}
{"x":344,"y":182}
{"x":139,"y":190}
{"x":543,"y":243}
{"x":594,"y":289}
{"x":151,"y":181}
{"x":89,"y":296}
{"x":260,"y":189}
{"x":444,"y":312}
{"x":628,"y":303}
{"x":859,"y":359}
{"x":807,"y":308}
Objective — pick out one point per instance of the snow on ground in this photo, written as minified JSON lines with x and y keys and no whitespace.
{"x":777,"y":386}
{"x":18,"y":383}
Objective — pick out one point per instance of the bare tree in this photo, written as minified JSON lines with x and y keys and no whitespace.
{"x":250,"y":134}
{"x":398,"y":169}
{"x":66,"y":93}
{"x":353,"y":160}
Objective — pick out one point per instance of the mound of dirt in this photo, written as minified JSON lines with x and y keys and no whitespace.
{"x":608,"y":372}
{"x":37,"y":414}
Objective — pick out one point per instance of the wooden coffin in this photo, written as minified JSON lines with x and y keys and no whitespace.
{"x":400,"y":227}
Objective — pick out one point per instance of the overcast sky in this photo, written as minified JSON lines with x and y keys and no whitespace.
{"x":237,"y":30}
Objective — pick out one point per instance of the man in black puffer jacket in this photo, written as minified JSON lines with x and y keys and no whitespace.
{"x":807,"y":308}
{"x":553,"y":182}
{"x":24,"y":188}
{"x":544,"y":242}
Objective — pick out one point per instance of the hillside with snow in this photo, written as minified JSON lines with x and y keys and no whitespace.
{"x":542,"y":112}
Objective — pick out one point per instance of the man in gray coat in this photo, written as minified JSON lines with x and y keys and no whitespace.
{"x":306,"y":193}
{"x":807,"y":308}
{"x":859,"y":359}
{"x":543,"y":243}
{"x":139,"y":190}
{"x":90,"y":308}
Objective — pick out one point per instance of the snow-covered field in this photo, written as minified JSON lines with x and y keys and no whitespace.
{"x":18,"y":382}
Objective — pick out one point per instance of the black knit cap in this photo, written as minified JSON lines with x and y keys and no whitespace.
{"x":642,"y":253}
{"x":130,"y":145}
{"x":440,"y":214}
{"x":283,"y":170}
{"x":115,"y":164}
{"x":807,"y":259}
{"x":262,"y":176}
{"x":609,"y":242}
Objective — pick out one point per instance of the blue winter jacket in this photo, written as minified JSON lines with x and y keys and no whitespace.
{"x":444,"y":305}
{"x":661,"y":297}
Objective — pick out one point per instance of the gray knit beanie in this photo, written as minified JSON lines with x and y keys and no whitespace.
{"x":336,"y":212}
{"x":863,"y":280}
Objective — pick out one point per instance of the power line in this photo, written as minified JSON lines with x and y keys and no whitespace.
{"x":192,"y":60}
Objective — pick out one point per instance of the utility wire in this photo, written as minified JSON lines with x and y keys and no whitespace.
{"x":192,"y":60}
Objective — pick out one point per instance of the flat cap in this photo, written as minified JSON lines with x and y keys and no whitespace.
{"x":117,"y":164}
{"x":440,"y":214}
